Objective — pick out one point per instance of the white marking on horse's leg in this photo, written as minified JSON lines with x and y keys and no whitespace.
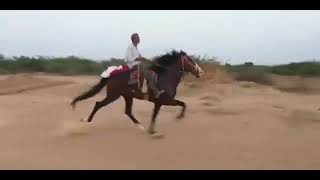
{"x":141,"y":128}
{"x":84,"y":119}
{"x":157,"y":135}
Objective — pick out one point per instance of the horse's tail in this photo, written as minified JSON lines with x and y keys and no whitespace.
{"x":91,"y":92}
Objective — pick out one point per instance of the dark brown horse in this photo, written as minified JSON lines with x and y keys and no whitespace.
{"x":169,"y":69}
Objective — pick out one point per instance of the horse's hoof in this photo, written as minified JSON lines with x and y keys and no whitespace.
{"x":157,"y":136}
{"x":84,"y":120}
{"x":180,"y":117}
{"x":143,"y":130}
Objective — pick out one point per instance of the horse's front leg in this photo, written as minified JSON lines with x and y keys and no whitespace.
{"x":179,"y":103}
{"x":151,"y":130}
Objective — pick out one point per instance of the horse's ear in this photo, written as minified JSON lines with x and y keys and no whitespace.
{"x":182,"y":52}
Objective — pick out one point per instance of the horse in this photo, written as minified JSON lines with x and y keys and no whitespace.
{"x":169,"y":69}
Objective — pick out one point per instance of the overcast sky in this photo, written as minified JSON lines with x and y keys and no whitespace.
{"x":263,"y":37}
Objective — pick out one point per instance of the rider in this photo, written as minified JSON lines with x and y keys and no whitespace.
{"x":133,"y":57}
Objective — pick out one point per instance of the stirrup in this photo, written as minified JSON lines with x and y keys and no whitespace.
{"x":146,"y":96}
{"x":159,"y":93}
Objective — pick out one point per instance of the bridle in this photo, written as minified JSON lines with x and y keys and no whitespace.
{"x":184,"y":60}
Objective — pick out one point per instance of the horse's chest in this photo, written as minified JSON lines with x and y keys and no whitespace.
{"x":168,"y":85}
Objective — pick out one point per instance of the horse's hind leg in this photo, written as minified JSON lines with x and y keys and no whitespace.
{"x":128,"y":111}
{"x":100,"y":104}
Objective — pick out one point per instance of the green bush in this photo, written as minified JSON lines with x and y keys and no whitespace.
{"x":259,"y":77}
{"x":3,"y":71}
{"x":68,"y":65}
{"x":304,"y":69}
{"x":257,"y":74}
{"x":73,"y":65}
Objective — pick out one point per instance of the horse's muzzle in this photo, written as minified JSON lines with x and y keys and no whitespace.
{"x":200,"y":72}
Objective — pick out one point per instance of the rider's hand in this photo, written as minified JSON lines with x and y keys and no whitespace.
{"x":142,"y":59}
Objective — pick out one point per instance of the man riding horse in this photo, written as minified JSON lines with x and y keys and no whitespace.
{"x":134,"y":59}
{"x":169,"y":69}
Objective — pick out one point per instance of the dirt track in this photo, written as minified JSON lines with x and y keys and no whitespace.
{"x":227,"y":126}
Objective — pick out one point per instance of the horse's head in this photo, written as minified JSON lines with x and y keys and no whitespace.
{"x":184,"y":63}
{"x":189,"y":65}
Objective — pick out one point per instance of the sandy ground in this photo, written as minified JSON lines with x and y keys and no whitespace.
{"x":227,"y":126}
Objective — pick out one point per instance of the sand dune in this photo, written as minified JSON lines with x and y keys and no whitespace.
{"x":25,"y":82}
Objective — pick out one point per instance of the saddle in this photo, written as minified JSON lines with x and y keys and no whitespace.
{"x":137,"y":80}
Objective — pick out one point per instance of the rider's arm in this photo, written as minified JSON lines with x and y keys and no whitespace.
{"x":129,"y":55}
{"x":142,"y":59}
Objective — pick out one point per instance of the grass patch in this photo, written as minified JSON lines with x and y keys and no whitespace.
{"x":296,"y":87}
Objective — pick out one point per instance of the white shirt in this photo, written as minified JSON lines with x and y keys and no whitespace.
{"x":131,"y":54}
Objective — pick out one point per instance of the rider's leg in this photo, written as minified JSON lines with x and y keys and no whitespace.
{"x":151,"y":83}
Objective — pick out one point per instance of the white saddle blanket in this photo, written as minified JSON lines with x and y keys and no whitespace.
{"x":107,"y":72}
{"x":110,"y":69}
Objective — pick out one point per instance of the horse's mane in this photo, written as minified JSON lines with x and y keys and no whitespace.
{"x":166,"y":60}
